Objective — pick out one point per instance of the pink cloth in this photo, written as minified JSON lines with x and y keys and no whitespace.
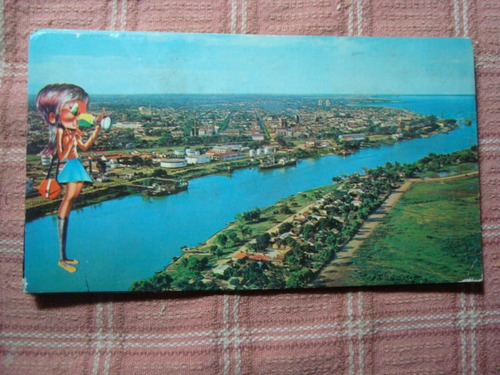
{"x":397,"y":330}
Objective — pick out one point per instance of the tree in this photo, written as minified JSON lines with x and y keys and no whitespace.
{"x":216,"y":250}
{"x":308,"y":231}
{"x":222,"y":239}
{"x":137,"y":160}
{"x":318,"y":247}
{"x":245,"y":231}
{"x":160,"y":282}
{"x":252,"y":215}
{"x":143,"y":286}
{"x":299,"y":278}
{"x":233,"y":236}
{"x":160,"y":173}
{"x":188,"y":276}
{"x":166,"y":139}
{"x":285,"y":210}
{"x":263,"y":241}
{"x":282,"y":141}
{"x":101,"y":166}
{"x":285,"y":227}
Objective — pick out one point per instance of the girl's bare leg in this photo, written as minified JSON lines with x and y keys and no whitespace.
{"x":73,"y":190}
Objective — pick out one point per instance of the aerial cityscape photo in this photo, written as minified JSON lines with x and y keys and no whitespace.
{"x":295,"y":164}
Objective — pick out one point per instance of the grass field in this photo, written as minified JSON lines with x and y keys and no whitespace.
{"x":432,"y":235}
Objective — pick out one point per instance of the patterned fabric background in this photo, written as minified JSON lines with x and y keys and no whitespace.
{"x":397,"y":330}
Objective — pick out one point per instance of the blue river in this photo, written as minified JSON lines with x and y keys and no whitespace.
{"x":127,"y":239}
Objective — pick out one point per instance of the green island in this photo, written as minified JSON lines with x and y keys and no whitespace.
{"x":293,"y":242}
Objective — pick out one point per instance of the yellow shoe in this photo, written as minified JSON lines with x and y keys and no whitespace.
{"x":66,"y":266}
{"x":71,"y":261}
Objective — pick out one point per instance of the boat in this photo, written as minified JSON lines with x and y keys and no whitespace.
{"x":283,"y":162}
{"x":158,"y":190}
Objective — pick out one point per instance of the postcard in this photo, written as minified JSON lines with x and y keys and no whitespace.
{"x":212,"y":162}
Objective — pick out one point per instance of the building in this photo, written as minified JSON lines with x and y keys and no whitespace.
{"x":191,"y":152}
{"x":173,"y":163}
{"x":231,"y":155}
{"x":268,"y":150}
{"x":198,"y":159}
{"x":219,"y":150}
{"x":352,"y":137}
{"x":257,"y":137}
{"x":145,"y":111}
{"x":45,"y":159}
{"x":220,"y":269}
{"x":257,"y":257}
{"x":283,"y":123}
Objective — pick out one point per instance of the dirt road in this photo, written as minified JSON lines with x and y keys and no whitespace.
{"x":333,"y":273}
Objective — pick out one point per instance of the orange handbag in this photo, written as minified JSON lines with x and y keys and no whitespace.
{"x":50,"y":188}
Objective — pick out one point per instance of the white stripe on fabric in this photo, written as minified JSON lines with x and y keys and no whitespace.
{"x":107,"y":358}
{"x":111,"y":338}
{"x":244,"y":17}
{"x":114,"y":13}
{"x":237,"y":333}
{"x":456,"y":14}
{"x":234,"y":15}
{"x":361,"y":330}
{"x":465,"y":17}
{"x":123,"y":18}
{"x":359,"y":5}
{"x":350,"y":331}
{"x":350,"y":21}
{"x":490,"y":226}
{"x":226,"y":335}
{"x":99,"y":338}
{"x":463,"y":334}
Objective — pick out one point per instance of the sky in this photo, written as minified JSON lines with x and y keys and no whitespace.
{"x":177,"y":63}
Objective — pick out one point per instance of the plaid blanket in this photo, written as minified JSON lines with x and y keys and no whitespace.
{"x":398,"y":330}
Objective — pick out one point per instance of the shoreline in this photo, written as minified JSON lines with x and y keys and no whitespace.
{"x":45,"y":207}
{"x":332,"y":272}
{"x":98,"y":193}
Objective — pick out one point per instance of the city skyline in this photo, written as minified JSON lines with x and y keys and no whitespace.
{"x":176,"y":63}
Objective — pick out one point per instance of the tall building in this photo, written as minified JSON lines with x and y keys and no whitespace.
{"x":195,"y":131}
{"x":283,"y":123}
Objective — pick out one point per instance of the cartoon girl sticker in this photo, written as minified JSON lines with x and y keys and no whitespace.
{"x":60,"y":106}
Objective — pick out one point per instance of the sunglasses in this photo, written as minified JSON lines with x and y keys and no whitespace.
{"x":69,"y":114}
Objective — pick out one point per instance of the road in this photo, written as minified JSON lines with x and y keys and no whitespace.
{"x":333,"y":273}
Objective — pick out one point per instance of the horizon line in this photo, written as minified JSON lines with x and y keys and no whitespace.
{"x":276,"y":94}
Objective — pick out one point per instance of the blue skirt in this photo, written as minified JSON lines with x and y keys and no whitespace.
{"x":73,"y":171}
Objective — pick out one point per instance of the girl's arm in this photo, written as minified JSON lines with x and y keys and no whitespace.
{"x":63,"y":150}
{"x":85,"y":146}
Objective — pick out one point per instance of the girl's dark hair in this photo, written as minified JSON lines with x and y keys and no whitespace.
{"x":50,"y":99}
